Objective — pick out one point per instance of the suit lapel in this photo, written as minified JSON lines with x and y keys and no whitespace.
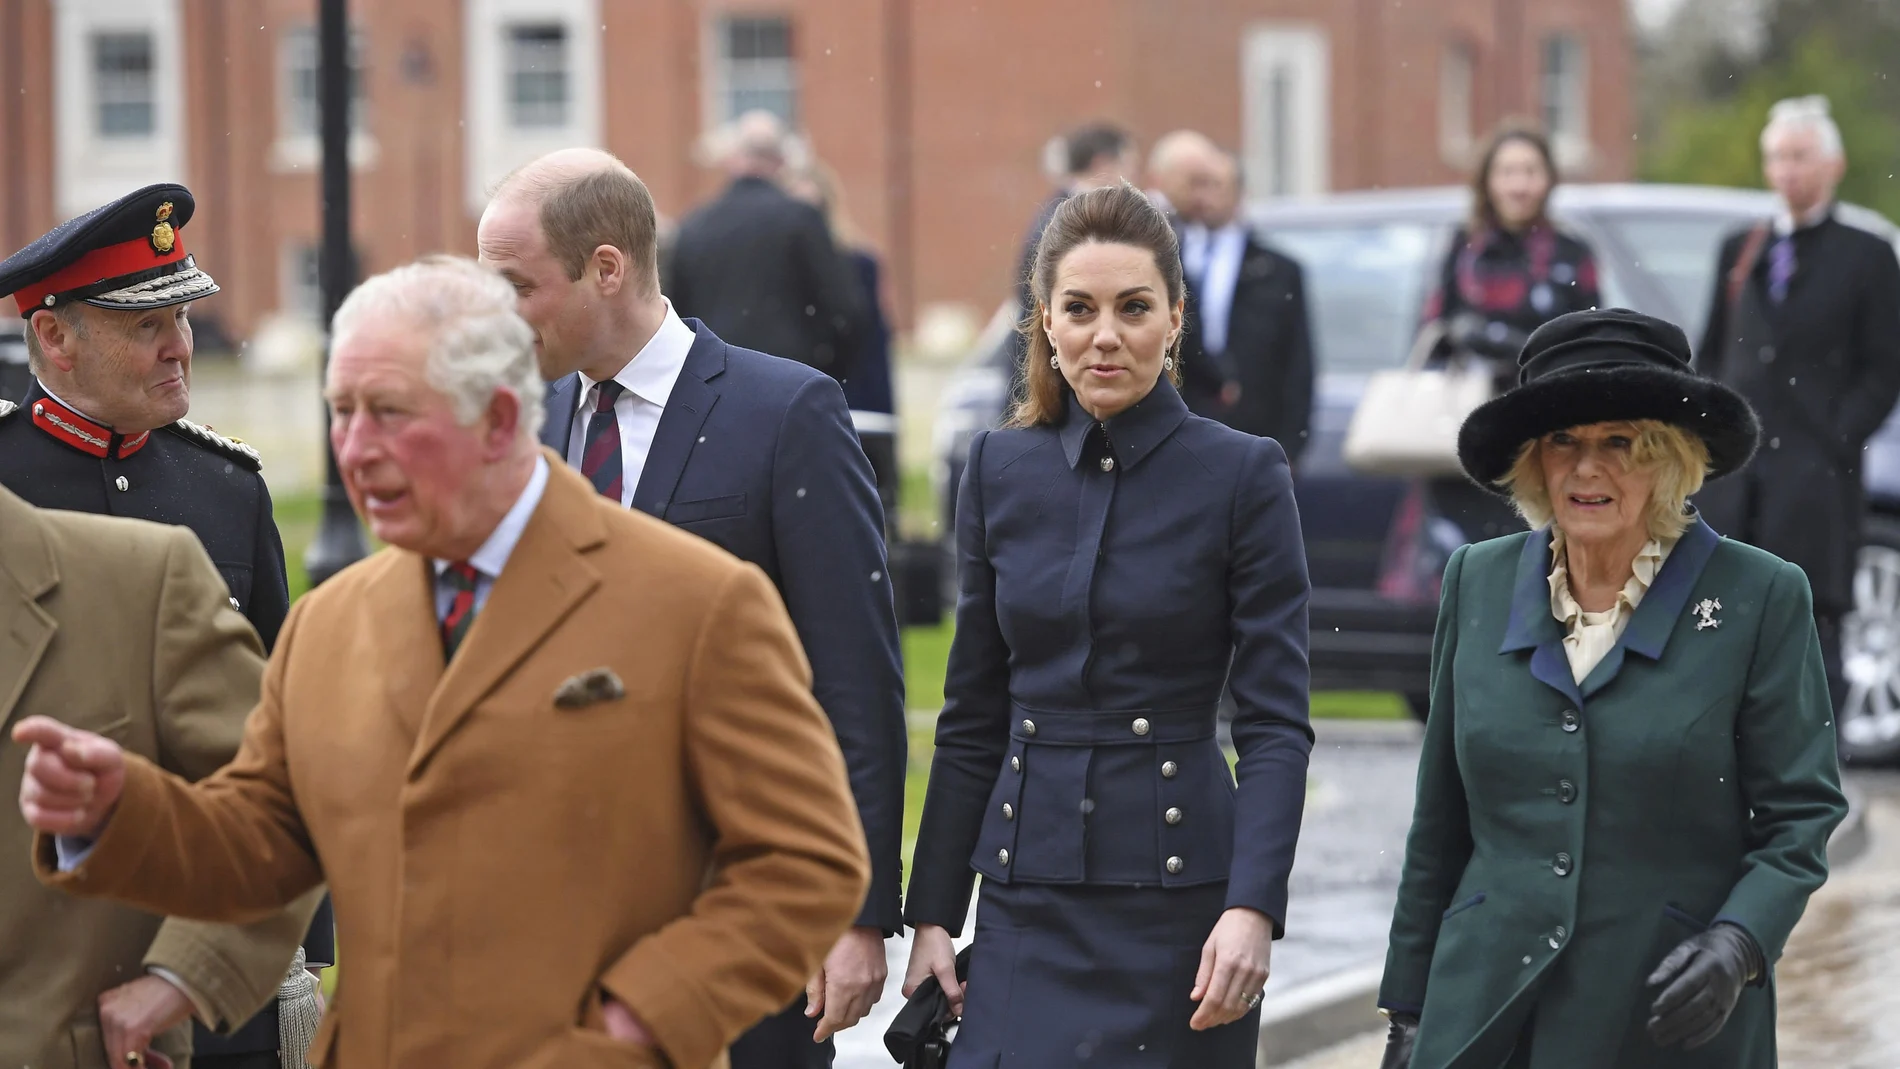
{"x":1532,"y":627}
{"x":561,"y":404}
{"x":691,"y":402}
{"x":28,"y":571}
{"x":414,"y":644}
{"x":546,"y":576}
{"x":1655,"y":619}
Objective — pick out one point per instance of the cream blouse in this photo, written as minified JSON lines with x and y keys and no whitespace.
{"x":1588,"y":636}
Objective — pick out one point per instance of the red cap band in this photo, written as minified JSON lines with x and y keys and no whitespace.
{"x":125,"y":258}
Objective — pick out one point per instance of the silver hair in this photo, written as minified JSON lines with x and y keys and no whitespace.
{"x":478,"y":342}
{"x":1804,"y":113}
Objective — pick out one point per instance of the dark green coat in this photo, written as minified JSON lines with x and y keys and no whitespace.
{"x":1566,"y":838}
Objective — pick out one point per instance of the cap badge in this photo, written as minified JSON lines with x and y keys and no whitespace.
{"x":163,"y":235}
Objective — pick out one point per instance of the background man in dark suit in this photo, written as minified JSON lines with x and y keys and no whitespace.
{"x":1805,"y":323}
{"x":1248,"y":347}
{"x":759,"y":267}
{"x":754,"y":453}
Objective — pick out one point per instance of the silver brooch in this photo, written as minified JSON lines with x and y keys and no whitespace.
{"x":1705,"y":611}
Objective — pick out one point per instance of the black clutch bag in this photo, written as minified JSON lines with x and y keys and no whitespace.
{"x":918,"y":1037}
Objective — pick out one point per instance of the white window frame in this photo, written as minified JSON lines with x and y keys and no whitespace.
{"x":718,"y":65}
{"x":293,"y":297}
{"x":1457,"y":102}
{"x":1564,"y":96}
{"x":1286,"y":145}
{"x":90,"y":170}
{"x":495,"y":146}
{"x":302,"y":150}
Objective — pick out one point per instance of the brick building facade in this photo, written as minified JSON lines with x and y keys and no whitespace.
{"x":934,"y":114}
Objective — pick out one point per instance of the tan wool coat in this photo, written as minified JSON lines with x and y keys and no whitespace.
{"x":124,"y":628}
{"x":679,"y":831}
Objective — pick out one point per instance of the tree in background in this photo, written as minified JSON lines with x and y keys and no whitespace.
{"x":1707,"y":97}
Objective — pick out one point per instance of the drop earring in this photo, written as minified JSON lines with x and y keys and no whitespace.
{"x":1167,"y":363}
{"x":1054,"y":364}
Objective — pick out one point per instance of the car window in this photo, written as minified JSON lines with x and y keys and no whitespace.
{"x":1677,"y":253}
{"x":1365,"y":288}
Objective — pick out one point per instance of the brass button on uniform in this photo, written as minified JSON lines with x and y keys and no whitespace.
{"x":1566,"y":792}
{"x":1175,"y":865}
{"x":1571,"y":721}
{"x":1557,"y":937}
{"x":122,"y":483}
{"x":1002,"y":857}
{"x":1168,"y":769}
{"x":1015,"y":764}
{"x":1172,"y":816}
{"x":1009,"y":811}
{"x":1108,"y":463}
{"x":1561,"y":865}
{"x":1141,"y":725}
{"x":1029,"y":727}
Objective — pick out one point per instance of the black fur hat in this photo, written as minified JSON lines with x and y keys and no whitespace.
{"x":1602,"y":366}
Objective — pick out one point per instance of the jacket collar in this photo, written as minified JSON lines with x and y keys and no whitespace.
{"x":68,"y":426}
{"x":28,"y":571}
{"x":1532,"y":627}
{"x":1134,"y":433}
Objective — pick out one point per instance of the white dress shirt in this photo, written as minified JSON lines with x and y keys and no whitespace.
{"x":1212,"y":262}
{"x":649,"y":379}
{"x":1589,"y":636}
{"x":489,"y":560}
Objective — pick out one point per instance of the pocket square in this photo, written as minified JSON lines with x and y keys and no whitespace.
{"x":591,"y":687}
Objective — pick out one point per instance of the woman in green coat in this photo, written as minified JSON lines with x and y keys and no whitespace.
{"x":1628,"y":778}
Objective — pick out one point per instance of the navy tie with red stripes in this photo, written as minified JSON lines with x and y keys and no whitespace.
{"x":600,"y":454}
{"x":460,"y":578}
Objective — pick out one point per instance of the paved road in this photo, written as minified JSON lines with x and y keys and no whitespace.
{"x":1345,"y":876}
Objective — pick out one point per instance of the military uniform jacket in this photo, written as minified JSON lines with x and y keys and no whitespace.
{"x":1110,"y":574}
{"x":180,"y":474}
{"x":1567,"y":837}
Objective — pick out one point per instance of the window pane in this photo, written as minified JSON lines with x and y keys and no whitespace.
{"x":1563,"y":85}
{"x":537,"y":76}
{"x":122,"y":84}
{"x":300,"y":81}
{"x":1454,"y":102}
{"x":756,"y":38}
{"x":1365,"y":286}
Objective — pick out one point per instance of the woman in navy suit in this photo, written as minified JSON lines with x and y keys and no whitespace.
{"x":1117,"y":555}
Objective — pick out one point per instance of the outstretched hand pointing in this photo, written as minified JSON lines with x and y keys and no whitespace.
{"x":73,"y":777}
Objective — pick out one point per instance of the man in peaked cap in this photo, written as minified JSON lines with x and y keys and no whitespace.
{"x":101,"y":429}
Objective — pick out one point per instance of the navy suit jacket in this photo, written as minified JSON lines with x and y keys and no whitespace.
{"x":757,"y":455}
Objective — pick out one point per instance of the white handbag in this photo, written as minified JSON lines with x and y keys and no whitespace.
{"x":1407,"y":421}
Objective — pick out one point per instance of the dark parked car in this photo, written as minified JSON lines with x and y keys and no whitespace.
{"x":1374,"y":552}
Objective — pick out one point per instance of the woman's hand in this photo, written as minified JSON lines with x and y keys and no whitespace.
{"x":933,"y":954}
{"x":1235,"y":963}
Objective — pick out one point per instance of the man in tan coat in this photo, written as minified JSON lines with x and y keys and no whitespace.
{"x":559,"y":761}
{"x":122,"y":628}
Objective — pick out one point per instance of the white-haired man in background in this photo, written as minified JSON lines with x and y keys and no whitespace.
{"x":1805,"y":322}
{"x":559,"y":761}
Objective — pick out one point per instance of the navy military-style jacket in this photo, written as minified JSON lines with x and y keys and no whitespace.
{"x":1110,"y":574}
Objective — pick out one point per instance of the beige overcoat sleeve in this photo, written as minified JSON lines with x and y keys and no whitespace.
{"x":206,"y":670}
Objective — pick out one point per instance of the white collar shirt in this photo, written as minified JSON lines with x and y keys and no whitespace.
{"x":649,"y":379}
{"x":1212,"y":259}
{"x":492,"y":557}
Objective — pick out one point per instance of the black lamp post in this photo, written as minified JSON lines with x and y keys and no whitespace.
{"x":339,"y":542}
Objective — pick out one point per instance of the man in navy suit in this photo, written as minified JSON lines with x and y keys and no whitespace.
{"x":756,"y":454}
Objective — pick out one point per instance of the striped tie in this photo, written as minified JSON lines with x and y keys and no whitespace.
{"x":600,"y":456}
{"x":459,"y":577}
{"x":1780,"y":269}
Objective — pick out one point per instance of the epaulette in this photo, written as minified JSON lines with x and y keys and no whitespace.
{"x":229,"y":447}
{"x":8,"y":408}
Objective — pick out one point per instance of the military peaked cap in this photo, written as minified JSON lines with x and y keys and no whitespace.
{"x":127,"y":255}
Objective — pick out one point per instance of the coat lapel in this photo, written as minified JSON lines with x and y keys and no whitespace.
{"x":546,"y":576}
{"x":28,"y":571}
{"x":1532,"y":627}
{"x":692,"y":400}
{"x":561,"y":404}
{"x":413,"y":668}
{"x":1655,"y":619}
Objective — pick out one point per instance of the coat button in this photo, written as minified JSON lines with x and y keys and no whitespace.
{"x":1557,"y":937}
{"x":1002,"y":857}
{"x":1141,"y":725}
{"x":1175,"y":865}
{"x":122,"y":483}
{"x":1009,"y":811}
{"x":1029,"y":727}
{"x":1168,"y":769}
{"x":1108,"y":463}
{"x":1172,"y":816}
{"x":1561,"y":865}
{"x":1566,"y":792}
{"x":1015,"y":764}
{"x":1571,"y":721}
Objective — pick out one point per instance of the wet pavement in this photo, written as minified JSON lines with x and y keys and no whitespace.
{"x":1345,"y":874}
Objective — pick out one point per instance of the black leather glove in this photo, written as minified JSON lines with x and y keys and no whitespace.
{"x":1704,"y":977}
{"x":1400,"y":1034}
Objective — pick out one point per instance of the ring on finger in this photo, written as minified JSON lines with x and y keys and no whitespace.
{"x":1253,"y":999}
{"x":134,"y":1059}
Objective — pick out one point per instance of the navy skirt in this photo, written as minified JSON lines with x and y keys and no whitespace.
{"x":1079,"y":975}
